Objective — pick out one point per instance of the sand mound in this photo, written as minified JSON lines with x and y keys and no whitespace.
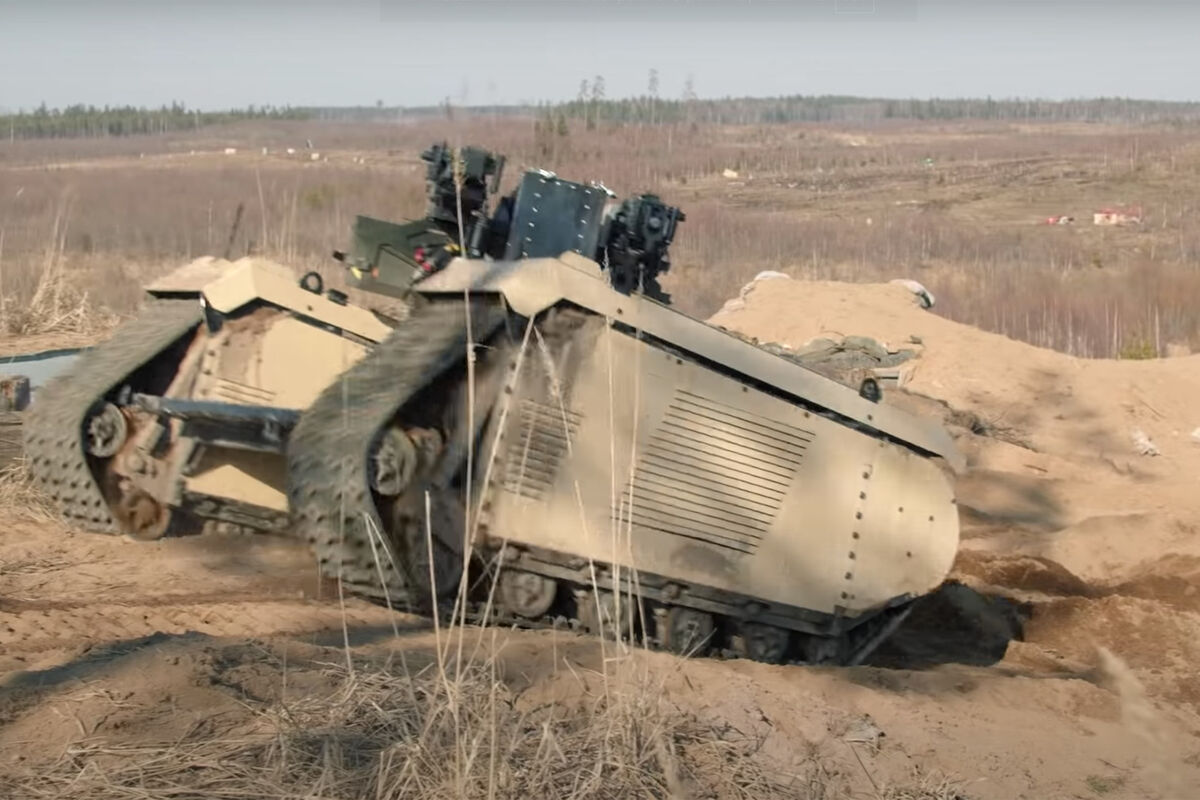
{"x":1052,"y":440}
{"x":1081,"y":495}
{"x":1062,"y":404}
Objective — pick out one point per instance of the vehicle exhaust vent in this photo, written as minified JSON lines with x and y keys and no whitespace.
{"x":713,"y":473}
{"x":531,"y":460}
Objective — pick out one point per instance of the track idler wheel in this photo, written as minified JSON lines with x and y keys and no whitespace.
{"x":393,"y":462}
{"x":765,"y":643}
{"x":105,"y":432}
{"x":526,"y":594}
{"x":688,"y":632}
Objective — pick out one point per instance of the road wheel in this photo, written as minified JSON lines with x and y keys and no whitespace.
{"x":688,"y":632}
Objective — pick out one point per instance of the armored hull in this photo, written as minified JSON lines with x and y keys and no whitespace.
{"x":601,"y":457}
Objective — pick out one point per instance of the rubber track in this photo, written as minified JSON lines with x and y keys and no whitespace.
{"x":53,"y":430}
{"x":328,"y":490}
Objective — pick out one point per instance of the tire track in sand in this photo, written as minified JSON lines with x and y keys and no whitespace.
{"x":28,"y":627}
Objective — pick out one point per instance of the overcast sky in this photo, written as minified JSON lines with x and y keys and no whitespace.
{"x":221,"y":53}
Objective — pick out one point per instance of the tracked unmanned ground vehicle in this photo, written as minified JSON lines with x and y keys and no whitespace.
{"x":538,"y":423}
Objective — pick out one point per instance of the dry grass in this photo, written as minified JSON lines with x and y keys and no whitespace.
{"x":20,"y":498}
{"x":387,"y":733}
{"x":812,"y":200}
{"x":925,"y":786}
{"x":57,"y":307}
{"x":55,"y":303}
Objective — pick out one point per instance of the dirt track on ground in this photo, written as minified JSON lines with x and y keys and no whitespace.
{"x":66,"y":593}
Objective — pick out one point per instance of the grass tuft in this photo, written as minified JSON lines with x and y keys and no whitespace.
{"x":21,"y":498}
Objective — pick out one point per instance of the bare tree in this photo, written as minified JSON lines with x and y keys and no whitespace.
{"x":689,"y":97}
{"x":653,"y":92}
{"x":689,"y":89}
{"x":583,"y":103}
{"x":597,"y":99}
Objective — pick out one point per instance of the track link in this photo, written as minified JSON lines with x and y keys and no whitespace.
{"x":53,"y":431}
{"x":328,"y":484}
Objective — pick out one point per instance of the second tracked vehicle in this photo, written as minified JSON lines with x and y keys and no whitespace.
{"x":539,"y":434}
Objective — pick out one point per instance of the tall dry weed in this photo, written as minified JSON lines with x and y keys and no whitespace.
{"x":57,"y":304}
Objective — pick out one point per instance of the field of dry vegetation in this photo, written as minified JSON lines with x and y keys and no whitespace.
{"x":954,"y":205}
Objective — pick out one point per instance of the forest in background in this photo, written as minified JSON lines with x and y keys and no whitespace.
{"x":592,"y":107}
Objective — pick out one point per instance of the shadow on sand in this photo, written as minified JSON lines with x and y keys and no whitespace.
{"x":954,"y":625}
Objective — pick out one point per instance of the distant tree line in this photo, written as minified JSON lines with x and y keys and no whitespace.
{"x":90,"y":121}
{"x":592,"y":108}
{"x":751,"y":110}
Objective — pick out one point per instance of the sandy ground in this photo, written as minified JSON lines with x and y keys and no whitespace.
{"x":1060,"y":662}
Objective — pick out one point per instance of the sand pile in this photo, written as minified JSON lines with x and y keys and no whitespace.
{"x":1065,"y":405}
{"x":1082,"y":495}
